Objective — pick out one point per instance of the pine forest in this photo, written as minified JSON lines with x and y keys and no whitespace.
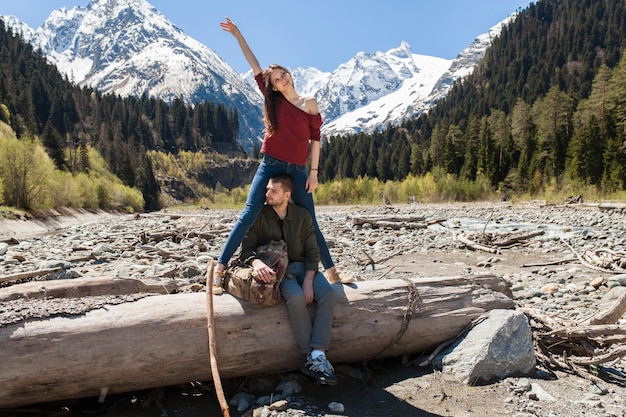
{"x":547,"y":104}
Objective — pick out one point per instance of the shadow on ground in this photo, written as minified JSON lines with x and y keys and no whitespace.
{"x":360,"y":398}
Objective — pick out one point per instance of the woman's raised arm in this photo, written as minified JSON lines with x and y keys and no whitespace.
{"x":230,"y":26}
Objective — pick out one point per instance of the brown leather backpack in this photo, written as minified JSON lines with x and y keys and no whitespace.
{"x":239,"y":278}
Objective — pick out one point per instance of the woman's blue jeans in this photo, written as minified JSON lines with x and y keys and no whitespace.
{"x":256,"y":199}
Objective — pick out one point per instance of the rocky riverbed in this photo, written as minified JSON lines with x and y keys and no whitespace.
{"x":566,"y":262}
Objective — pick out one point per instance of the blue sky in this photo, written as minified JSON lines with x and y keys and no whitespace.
{"x":322,"y":33}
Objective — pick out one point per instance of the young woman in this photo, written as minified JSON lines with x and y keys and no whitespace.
{"x":292,"y":138}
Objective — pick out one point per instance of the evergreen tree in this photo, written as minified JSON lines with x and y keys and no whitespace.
{"x":486,"y":155}
{"x":616,"y":100}
{"x":523,"y":133}
{"x":586,"y":150}
{"x":54,"y":145}
{"x":372,"y":159}
{"x":437,"y":145}
{"x":553,"y":117}
{"x":501,"y":132}
{"x":417,"y":159}
{"x":470,"y":160}
{"x":256,"y":150}
{"x":383,"y":166}
{"x":146,"y":181}
{"x":84,"y":156}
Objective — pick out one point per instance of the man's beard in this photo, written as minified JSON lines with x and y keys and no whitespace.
{"x":274,"y":203}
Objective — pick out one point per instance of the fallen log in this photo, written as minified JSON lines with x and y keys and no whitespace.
{"x":162,"y":340}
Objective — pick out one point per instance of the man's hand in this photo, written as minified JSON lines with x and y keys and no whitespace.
{"x":307,"y":287}
{"x":263,"y":272}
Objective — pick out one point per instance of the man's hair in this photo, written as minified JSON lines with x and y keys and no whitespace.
{"x":284,"y":180}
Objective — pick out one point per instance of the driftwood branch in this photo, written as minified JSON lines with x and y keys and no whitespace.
{"x":592,"y":261}
{"x":215,"y":373}
{"x":549,"y":263}
{"x":572,"y":347}
{"x":358,"y":221}
{"x":583,"y":332}
{"x":29,"y":274}
{"x":618,"y":352}
{"x":474,"y":245}
{"x":511,"y":239}
{"x":392,"y":222}
{"x":492,"y":243}
{"x":610,"y":315}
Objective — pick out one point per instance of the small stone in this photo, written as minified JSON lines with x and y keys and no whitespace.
{"x":241,"y":400}
{"x":619,"y":279}
{"x":242,"y":405}
{"x":532,"y":396}
{"x":523,"y":385}
{"x":533,"y":293}
{"x":550,"y":288}
{"x":540,"y":394}
{"x":196,"y":287}
{"x":289,"y":387}
{"x":55,"y":263}
{"x":19,"y":258}
{"x":264,"y":400}
{"x":336,"y":407}
{"x":261,"y":412}
{"x":280,"y":405}
{"x":597,"y":282}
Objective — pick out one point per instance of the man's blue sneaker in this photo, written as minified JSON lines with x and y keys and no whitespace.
{"x":320,"y":369}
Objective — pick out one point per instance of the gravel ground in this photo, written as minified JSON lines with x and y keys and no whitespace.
{"x":545,"y":273}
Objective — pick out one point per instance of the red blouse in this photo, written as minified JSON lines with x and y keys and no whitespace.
{"x":290,"y":141}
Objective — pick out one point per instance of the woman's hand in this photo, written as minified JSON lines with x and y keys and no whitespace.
{"x":311,"y":182}
{"x":231,"y":27}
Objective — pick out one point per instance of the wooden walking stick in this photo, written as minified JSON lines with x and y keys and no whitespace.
{"x":217,"y":381}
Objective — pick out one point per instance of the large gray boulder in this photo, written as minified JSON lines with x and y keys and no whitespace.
{"x":498,"y":347}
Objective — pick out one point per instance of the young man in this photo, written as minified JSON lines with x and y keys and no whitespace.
{"x":303,"y":283}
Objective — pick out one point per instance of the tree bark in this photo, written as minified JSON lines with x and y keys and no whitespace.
{"x":85,"y":287}
{"x":162,"y":340}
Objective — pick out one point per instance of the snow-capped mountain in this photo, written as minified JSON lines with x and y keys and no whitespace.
{"x":127,"y":47}
{"x":372,"y":91}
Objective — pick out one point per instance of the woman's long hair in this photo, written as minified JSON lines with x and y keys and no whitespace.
{"x":272,"y":99}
